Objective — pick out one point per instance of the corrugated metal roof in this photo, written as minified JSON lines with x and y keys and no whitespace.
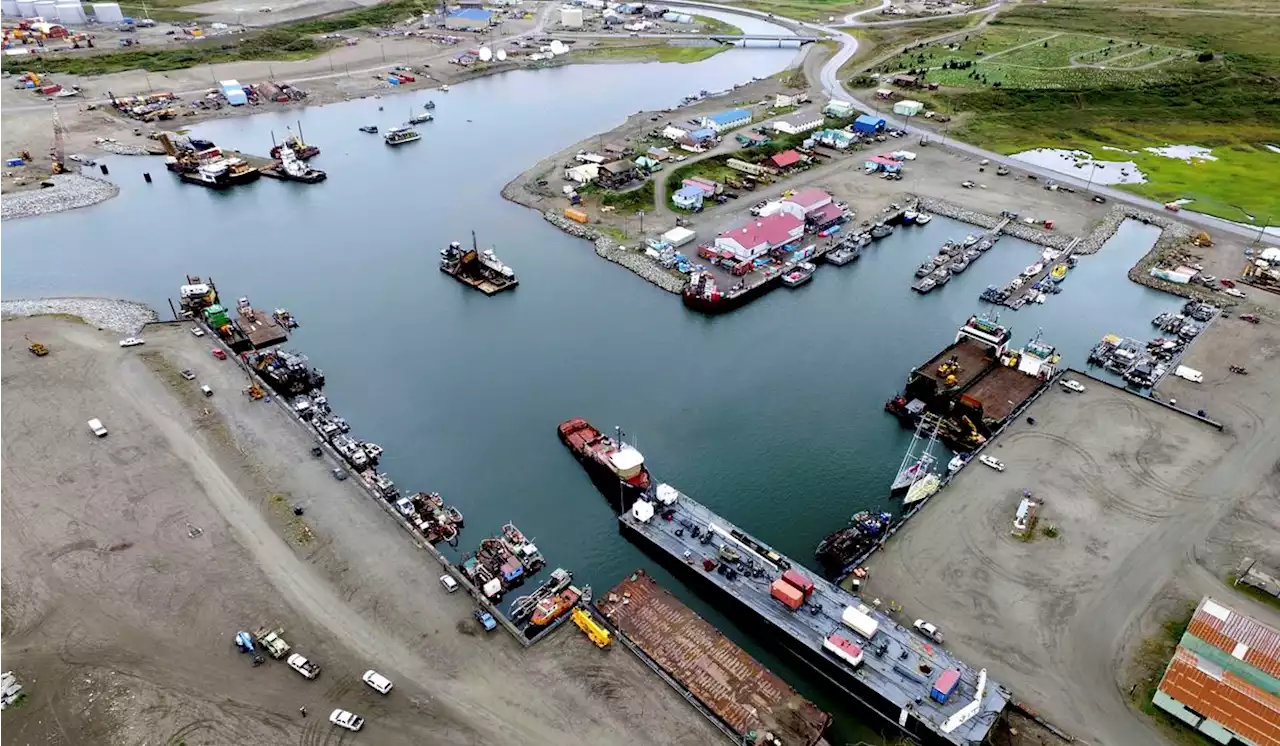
{"x":1223,"y":697}
{"x":472,"y":14}
{"x":745,"y":695}
{"x":725,"y":117}
{"x":1242,"y":637}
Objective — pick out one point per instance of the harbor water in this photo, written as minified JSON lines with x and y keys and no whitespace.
{"x":771,"y":415}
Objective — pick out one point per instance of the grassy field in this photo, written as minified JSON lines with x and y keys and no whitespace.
{"x":659,"y":52}
{"x":805,"y":10}
{"x":272,"y":44}
{"x":1230,"y":103}
{"x":631,"y":201}
{"x":716,"y":26}
{"x":876,"y":42}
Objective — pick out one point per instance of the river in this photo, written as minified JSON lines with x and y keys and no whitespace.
{"x":771,"y":415}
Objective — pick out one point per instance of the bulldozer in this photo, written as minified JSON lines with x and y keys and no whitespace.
{"x":949,"y":368}
{"x":38,"y":349}
{"x":1202,"y":239}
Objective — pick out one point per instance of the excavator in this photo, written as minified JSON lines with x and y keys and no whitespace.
{"x":948,"y":370}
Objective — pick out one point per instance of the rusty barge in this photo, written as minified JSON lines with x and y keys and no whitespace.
{"x":733,"y":689}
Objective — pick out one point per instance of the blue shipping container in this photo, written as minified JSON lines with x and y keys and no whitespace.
{"x":945,"y":685}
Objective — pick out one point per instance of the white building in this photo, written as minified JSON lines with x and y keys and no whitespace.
{"x":571,"y":17}
{"x":837,"y":108}
{"x":672,"y":132}
{"x":726,"y":120}
{"x":908,"y":108}
{"x":105,"y":12}
{"x":799,"y":123}
{"x":583,"y":174}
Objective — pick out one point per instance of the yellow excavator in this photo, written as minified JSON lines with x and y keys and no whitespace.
{"x":38,"y":349}
{"x":593,"y":629}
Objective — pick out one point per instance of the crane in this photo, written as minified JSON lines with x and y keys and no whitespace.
{"x":59,"y":154}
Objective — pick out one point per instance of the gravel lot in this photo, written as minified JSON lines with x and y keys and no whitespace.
{"x":119,"y":624}
{"x":1134,"y":489}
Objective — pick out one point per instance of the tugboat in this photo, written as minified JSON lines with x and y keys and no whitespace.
{"x":552,"y":608}
{"x":371,"y":129}
{"x":293,"y":169}
{"x":481,"y":270}
{"x":295,"y":143}
{"x":401,"y":135}
{"x":420,"y":118}
{"x":799,"y":275}
{"x":611,"y":462}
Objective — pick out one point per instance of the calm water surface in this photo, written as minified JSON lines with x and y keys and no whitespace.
{"x":771,"y":415}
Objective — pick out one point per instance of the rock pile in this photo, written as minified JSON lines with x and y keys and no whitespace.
{"x":633,"y":259}
{"x":123,"y":316}
{"x":122,"y":148}
{"x":1029,"y":233}
{"x":70,"y":191}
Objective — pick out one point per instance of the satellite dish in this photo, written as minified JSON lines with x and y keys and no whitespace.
{"x":502,"y":55}
{"x":557,"y":47}
{"x":486,"y":54}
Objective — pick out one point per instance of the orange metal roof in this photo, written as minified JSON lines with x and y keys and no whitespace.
{"x":1229,"y":630}
{"x":1223,"y":697}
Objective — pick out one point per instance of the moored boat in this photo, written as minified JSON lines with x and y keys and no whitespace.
{"x":924,"y":285}
{"x":881,"y":230}
{"x":1033,"y":270}
{"x":941,"y":276}
{"x":909,"y":217}
{"x":1059,"y":272}
{"x":926,"y":269}
{"x":926,"y":486}
{"x":401,"y":135}
{"x":613,"y":463}
{"x":923,"y":218}
{"x":799,"y":275}
{"x":913,"y":473}
{"x":552,"y":608}
{"x":969,"y":240}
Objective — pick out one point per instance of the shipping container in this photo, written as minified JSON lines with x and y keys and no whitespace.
{"x":794,"y":578}
{"x":578,"y":216}
{"x":841,"y":648}
{"x":859,"y":620}
{"x":945,"y":685}
{"x":787,"y":593}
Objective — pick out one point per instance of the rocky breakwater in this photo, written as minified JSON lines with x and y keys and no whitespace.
{"x":635,"y":259}
{"x":69,"y":192}
{"x":123,"y":316}
{"x":1030,"y":233}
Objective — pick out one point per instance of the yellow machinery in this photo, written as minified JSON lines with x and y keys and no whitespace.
{"x":1202,"y":239}
{"x":254,"y":391}
{"x":593,"y":629}
{"x":38,"y":349}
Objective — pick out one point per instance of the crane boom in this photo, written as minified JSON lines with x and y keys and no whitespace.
{"x":59,"y":148}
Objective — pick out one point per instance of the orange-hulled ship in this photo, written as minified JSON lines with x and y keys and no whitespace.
{"x":552,"y":608}
{"x":609,"y":461}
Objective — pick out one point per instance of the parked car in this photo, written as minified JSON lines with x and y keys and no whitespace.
{"x":405,"y":506}
{"x":189,"y":374}
{"x":95,"y":425}
{"x":449,"y":583}
{"x":1070,"y":384}
{"x":376,"y":681}
{"x":206,"y":390}
{"x":992,"y":461}
{"x":1235,"y":293}
{"x":348,"y":720}
{"x":132,"y":341}
{"x":197,"y":331}
{"x":929,"y":630}
{"x":1227,"y":283}
{"x":219,"y":353}
{"x":303,"y":666}
{"x":486,"y":620}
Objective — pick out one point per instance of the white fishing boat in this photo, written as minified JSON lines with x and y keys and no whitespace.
{"x":401,"y":135}
{"x":1033,"y":270}
{"x":925,"y":487}
{"x":956,"y":464}
{"x":923,"y":218}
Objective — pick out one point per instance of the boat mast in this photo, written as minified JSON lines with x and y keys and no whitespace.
{"x":301,"y":139}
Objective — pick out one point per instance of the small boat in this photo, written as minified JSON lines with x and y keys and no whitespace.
{"x":923,"y":218}
{"x":926,"y":269}
{"x":911,"y":475}
{"x":881,"y":230}
{"x":285,"y":319}
{"x":864,"y":240}
{"x":444,"y":89}
{"x":941,"y":276}
{"x":957,"y":463}
{"x":372,"y":129}
{"x":421,"y":118}
{"x":429,"y":105}
{"x":922,"y":489}
{"x":985,"y":244}
{"x":802,"y":273}
{"x":455,"y":516}
{"x":941,"y":260}
{"x":845,"y":253}
{"x":552,"y":608}
{"x":1033,"y":270}
{"x":373,"y":449}
{"x":992,"y":461}
{"x":1058,"y":272}
{"x":969,"y":240}
{"x":909,"y":217}
{"x":993,"y":294}
{"x":958,"y":266}
{"x":924,"y":285}
{"x":400,"y":136}
{"x":971,"y":254}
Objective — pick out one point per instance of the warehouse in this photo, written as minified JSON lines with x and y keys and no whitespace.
{"x":1222,"y":679}
{"x":726,"y":120}
{"x":761,"y":236}
{"x":839,"y":109}
{"x":908,"y":108}
{"x":571,"y":17}
{"x":799,"y":123}
{"x":868,"y":124}
{"x":472,"y":19}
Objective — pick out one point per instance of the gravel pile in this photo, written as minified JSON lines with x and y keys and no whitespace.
{"x":1029,"y":233}
{"x":71,"y":191}
{"x":123,"y":316}
{"x":633,"y":259}
{"x":121,"y":148}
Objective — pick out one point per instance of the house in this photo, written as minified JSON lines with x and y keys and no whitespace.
{"x":645,"y":163}
{"x":839,"y":109}
{"x":824,"y":217}
{"x":658,"y":154}
{"x":571,"y":17}
{"x":726,"y":120}
{"x":881,"y":163}
{"x":908,"y":108}
{"x":1222,"y":677}
{"x":840,"y":139}
{"x":468,"y":19}
{"x":751,"y":139}
{"x":799,"y":123}
{"x":672,"y":132}
{"x":617,"y":174}
{"x":884,"y":93}
{"x":688,"y":198}
{"x":708,"y":187}
{"x":582,"y":174}
{"x":782,"y":100}
{"x":786,"y":159}
{"x":760,"y":236}
{"x":905,"y":81}
{"x":868,"y":124}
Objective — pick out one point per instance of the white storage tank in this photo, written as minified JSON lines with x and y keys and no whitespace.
{"x":47,"y":9}
{"x":107,"y":12}
{"x":9,"y":8}
{"x":71,"y":14}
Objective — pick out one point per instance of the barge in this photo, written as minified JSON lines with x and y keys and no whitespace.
{"x":262,"y":329}
{"x":909,"y":681}
{"x":295,"y":145}
{"x":481,"y":270}
{"x":978,"y":345}
{"x":615,"y":467}
{"x":733,"y":689}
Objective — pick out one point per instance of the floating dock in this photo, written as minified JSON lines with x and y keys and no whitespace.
{"x":261,"y":328}
{"x":733,"y":689}
{"x":892,"y":671}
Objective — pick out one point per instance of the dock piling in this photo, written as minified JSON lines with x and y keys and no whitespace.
{"x":146,"y":177}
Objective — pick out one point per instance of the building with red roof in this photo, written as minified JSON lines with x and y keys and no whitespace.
{"x":786,"y":159}
{"x":1224,"y":678}
{"x":761,"y":236}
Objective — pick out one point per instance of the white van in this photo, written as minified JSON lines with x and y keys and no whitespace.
{"x":206,"y":390}
{"x":97,"y":428}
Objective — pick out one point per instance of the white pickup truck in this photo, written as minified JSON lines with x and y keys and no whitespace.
{"x":303,"y":666}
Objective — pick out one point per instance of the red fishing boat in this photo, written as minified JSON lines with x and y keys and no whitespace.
{"x":552,"y":608}
{"x":609,"y":461}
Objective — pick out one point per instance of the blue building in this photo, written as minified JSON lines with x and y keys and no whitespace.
{"x":868,"y":124}
{"x":727,"y":120}
{"x":703,"y":136}
{"x":687,"y":198}
{"x":234,"y":92}
{"x":468,"y":19}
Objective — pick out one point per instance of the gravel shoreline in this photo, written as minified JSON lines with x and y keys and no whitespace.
{"x":633,"y":259}
{"x":71,"y":192}
{"x":124,"y":316}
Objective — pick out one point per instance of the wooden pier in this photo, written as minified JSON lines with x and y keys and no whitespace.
{"x":1016,"y":301}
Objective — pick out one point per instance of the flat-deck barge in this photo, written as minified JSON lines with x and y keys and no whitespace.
{"x":890,"y":670}
{"x":731,"y":687}
{"x":261,"y":328}
{"x":937,"y":384}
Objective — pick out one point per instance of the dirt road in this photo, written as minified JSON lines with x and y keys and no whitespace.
{"x":119,"y":622}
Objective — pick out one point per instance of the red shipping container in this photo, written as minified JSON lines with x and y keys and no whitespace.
{"x":794,"y":578}
{"x":787,"y":594}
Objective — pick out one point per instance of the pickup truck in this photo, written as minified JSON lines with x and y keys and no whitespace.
{"x":303,"y":666}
